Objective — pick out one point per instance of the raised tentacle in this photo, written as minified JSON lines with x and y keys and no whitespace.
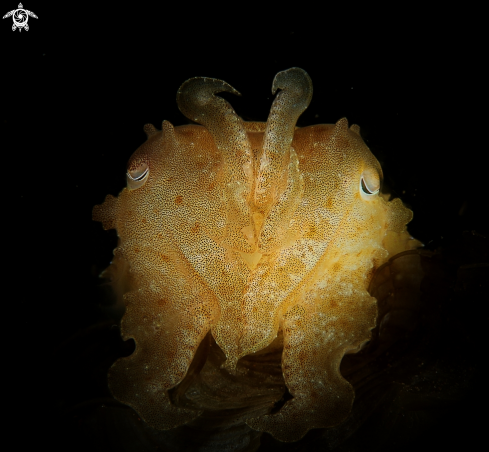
{"x":296,"y":94}
{"x":197,"y":101}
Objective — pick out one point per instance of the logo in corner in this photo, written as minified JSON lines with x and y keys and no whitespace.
{"x":20,"y":17}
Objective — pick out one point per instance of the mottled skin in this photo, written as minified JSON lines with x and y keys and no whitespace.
{"x":244,"y":229}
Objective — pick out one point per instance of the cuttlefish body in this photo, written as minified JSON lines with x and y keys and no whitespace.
{"x":248,"y":229}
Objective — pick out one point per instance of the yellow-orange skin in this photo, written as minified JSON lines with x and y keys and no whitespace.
{"x":222,"y":237}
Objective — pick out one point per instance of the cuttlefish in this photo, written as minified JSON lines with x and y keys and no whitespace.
{"x":247,"y":231}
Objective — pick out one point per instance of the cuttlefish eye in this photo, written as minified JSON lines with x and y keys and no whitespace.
{"x":137,"y":175}
{"x":369,"y":183}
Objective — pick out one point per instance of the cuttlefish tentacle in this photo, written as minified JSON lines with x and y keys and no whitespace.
{"x":197,"y":101}
{"x":311,"y":360}
{"x":289,"y":104}
{"x":151,"y":360}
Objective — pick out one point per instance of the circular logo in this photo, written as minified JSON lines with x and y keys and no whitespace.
{"x":20,"y":18}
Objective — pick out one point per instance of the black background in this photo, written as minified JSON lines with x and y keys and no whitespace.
{"x":81,"y":83}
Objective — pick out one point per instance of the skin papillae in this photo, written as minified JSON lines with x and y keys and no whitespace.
{"x":248,"y":229}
